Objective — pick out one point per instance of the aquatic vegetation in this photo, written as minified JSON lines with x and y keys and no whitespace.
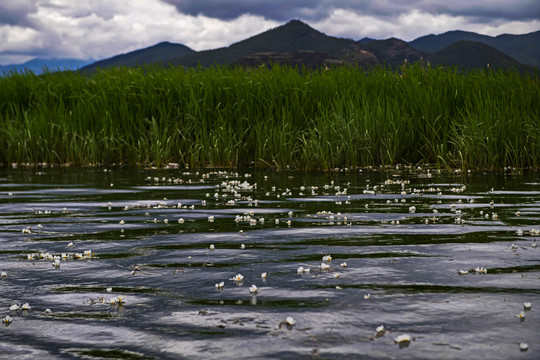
{"x":305,"y":119}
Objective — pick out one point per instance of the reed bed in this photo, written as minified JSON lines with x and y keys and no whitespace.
{"x":277,"y":117}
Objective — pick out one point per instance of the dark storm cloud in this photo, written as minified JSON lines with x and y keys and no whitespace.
{"x":281,"y":10}
{"x":15,"y":12}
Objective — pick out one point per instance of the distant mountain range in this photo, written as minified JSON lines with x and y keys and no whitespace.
{"x":296,"y":43}
{"x":38,"y":65}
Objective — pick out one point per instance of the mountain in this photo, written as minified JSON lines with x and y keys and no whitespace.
{"x":523,"y":48}
{"x":473,"y":54}
{"x":296,"y":43}
{"x":38,"y":65}
{"x":394,"y":52}
{"x":293,"y":36}
{"x":159,"y":53}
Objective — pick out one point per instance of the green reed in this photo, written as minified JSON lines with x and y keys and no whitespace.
{"x":276,"y":117}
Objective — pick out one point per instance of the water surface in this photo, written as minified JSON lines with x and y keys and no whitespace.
{"x":404,"y":236}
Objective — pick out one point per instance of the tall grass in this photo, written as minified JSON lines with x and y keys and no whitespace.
{"x":274,"y":117}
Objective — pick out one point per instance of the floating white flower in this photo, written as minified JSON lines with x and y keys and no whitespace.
{"x":344,"y":264}
{"x":380,"y":328}
{"x":166,"y":221}
{"x":290,"y":321}
{"x":56,"y":263}
{"x":26,"y":231}
{"x":121,"y":222}
{"x":402,"y":339}
{"x":109,"y":289}
{"x":242,"y":246}
{"x":521,"y":315}
{"x":324,"y":266}
{"x":527,"y":305}
{"x":14,"y":307}
{"x":339,"y":287}
{"x":463,"y":272}
{"x":220,"y":285}
{"x":367,"y":296}
{"x":211,"y":218}
{"x":519,"y":232}
{"x":289,"y":222}
{"x":253,"y":289}
{"x":412,"y":209}
{"x":3,"y":274}
{"x":336,"y":276}
{"x":180,"y":221}
{"x":88,"y":253}
{"x":26,"y":306}
{"x":70,"y":244}
{"x":263,"y":275}
{"x":276,"y":221}
{"x":327,"y":258}
{"x":238,"y":277}
{"x":30,"y":256}
{"x":212,"y":247}
{"x":7,"y":320}
{"x":300,"y":270}
{"x":481,"y":270}
{"x":48,"y":311}
{"x":523,"y":346}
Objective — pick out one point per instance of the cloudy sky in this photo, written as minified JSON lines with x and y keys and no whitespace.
{"x":97,"y":29}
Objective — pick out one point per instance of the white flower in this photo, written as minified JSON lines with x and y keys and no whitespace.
{"x":109,"y":289}
{"x":527,"y":305}
{"x":70,"y":244}
{"x":327,"y":258}
{"x":212,"y":247}
{"x":276,"y":221}
{"x":3,"y":274}
{"x":14,"y":307}
{"x":290,"y":321}
{"x":402,"y":339}
{"x":519,"y":232}
{"x":289,"y":222}
{"x":88,"y":253}
{"x":180,"y":221}
{"x":26,"y":231}
{"x":339,"y":288}
{"x":48,"y":311}
{"x":521,"y":315}
{"x":481,"y":270}
{"x":121,"y":222}
{"x":242,"y":246}
{"x":336,"y":276}
{"x":238,"y":277}
{"x":344,"y":264}
{"x":523,"y":346}
{"x":324,"y":266}
{"x":56,"y":263}
{"x":166,"y":221}
{"x":253,"y":289}
{"x":26,"y":306}
{"x":463,"y":272}
{"x":211,"y":218}
{"x":220,"y":285}
{"x":30,"y":256}
{"x":412,"y":209}
{"x":263,"y":275}
{"x":300,"y":270}
{"x":380,"y":328}
{"x":367,"y":296}
{"x":7,"y":320}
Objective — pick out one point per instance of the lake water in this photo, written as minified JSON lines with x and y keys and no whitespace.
{"x":404,"y":235}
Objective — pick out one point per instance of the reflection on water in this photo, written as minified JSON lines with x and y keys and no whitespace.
{"x":118,"y":263}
